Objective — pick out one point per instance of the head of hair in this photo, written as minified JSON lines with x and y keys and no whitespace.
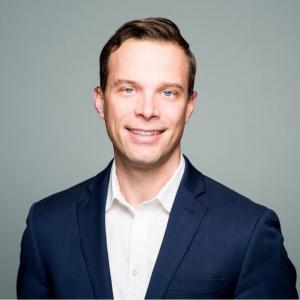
{"x":156,"y":29}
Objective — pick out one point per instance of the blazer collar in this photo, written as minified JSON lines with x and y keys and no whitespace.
{"x":91,"y":221}
{"x":192,"y":179}
{"x":184,"y":220}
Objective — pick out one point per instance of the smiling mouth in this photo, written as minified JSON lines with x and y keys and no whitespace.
{"x":142,"y":132}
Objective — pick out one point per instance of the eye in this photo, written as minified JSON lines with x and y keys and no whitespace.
{"x":128,"y":90}
{"x":168,"y":93}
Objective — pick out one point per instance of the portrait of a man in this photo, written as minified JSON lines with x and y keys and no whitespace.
{"x":150,"y":225}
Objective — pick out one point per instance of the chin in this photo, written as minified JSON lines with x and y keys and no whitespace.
{"x":144,"y":161}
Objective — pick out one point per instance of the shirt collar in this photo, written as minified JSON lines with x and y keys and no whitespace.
{"x":165,"y":196}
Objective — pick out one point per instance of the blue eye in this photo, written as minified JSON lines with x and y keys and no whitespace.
{"x":168,"y":93}
{"x":128,"y":90}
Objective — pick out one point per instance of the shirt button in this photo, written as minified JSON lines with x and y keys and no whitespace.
{"x":134,"y":272}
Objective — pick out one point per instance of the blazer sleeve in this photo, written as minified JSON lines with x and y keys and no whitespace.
{"x":31,"y":280}
{"x":266,"y":271}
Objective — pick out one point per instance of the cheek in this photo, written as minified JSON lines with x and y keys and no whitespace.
{"x":176,"y":115}
{"x":117,"y":115}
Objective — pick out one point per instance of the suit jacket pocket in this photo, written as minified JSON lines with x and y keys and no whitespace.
{"x":196,"y":284}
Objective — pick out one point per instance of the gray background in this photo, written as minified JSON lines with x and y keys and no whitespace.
{"x":244,"y":132}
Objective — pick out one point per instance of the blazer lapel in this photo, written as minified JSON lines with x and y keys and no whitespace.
{"x":91,"y":221}
{"x":184,"y":220}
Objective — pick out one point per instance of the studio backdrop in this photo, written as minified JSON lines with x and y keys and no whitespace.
{"x":243,"y":133}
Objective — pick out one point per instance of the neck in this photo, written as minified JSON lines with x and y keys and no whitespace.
{"x":139,"y":184}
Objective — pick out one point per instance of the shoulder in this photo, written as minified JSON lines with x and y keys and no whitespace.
{"x":227,"y":210}
{"x":216,"y":195}
{"x":221,"y":195}
{"x":62,"y":205}
{"x":66,"y":198}
{"x":237,"y":215}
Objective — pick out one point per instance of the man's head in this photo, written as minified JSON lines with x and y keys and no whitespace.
{"x":155,"y":29}
{"x":146,"y":94}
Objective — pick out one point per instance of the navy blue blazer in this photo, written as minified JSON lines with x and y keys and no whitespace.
{"x":217,"y":244}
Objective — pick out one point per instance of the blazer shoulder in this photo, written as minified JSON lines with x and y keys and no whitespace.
{"x":60,"y":204}
{"x":219,"y":195}
{"x":67,"y":196}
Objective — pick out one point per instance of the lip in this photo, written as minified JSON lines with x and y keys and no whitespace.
{"x":144,"y":136}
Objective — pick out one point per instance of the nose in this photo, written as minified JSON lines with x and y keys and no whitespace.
{"x":147,"y":107}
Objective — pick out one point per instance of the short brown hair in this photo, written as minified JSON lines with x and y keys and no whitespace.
{"x":160,"y":29}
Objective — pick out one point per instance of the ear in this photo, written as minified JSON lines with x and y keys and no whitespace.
{"x":190,"y":106}
{"x":99,"y":101}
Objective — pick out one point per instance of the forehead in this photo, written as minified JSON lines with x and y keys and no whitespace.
{"x":148,"y":61}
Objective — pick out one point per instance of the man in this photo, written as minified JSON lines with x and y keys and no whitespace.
{"x":150,"y":225}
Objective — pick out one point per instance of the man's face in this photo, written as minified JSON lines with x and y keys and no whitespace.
{"x":145,"y":104}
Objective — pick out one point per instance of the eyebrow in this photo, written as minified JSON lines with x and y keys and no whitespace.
{"x":124,"y":81}
{"x":172,"y":84}
{"x":132,"y":82}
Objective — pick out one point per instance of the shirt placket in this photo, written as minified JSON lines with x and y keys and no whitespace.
{"x":136,"y":267}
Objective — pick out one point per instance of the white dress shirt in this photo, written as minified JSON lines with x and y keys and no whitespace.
{"x":134,"y":235}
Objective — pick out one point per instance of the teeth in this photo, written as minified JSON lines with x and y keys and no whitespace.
{"x":144,"y":133}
